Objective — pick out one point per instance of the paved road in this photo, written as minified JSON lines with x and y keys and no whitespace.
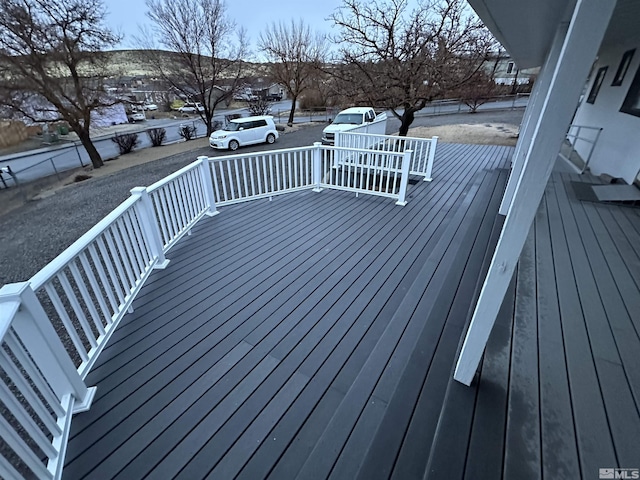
{"x":69,"y":155}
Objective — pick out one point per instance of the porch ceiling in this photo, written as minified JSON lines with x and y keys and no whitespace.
{"x":526,"y":28}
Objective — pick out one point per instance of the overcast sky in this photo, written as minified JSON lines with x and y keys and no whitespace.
{"x":126,"y":15}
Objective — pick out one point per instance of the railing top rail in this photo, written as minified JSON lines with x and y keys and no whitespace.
{"x":363,"y":150}
{"x":173,"y":176}
{"x":58,"y":263}
{"x":395,"y":137}
{"x":258,"y":154}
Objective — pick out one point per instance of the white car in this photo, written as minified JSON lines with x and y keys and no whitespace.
{"x":244,"y":131}
{"x":150,"y":106}
{"x":136,"y":117}
{"x":191,"y":108}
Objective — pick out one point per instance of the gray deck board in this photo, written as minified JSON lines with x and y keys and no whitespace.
{"x":556,"y":395}
{"x":314,"y":335}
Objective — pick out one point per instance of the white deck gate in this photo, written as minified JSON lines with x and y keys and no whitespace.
{"x":424,"y":149}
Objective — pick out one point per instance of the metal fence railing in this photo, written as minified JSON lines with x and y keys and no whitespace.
{"x":580,"y":143}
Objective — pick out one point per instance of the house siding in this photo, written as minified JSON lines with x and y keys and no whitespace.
{"x":616,"y":152}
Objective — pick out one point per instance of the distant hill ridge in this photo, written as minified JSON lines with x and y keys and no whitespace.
{"x":135,"y":63}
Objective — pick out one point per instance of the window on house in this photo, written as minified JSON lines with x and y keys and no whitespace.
{"x":510,"y":66}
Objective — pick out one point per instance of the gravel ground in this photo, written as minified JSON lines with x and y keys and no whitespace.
{"x":33,"y":235}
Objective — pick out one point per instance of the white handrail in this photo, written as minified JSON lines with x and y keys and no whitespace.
{"x":423,"y":148}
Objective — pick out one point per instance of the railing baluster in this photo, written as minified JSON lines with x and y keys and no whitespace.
{"x":35,"y":378}
{"x":125,"y":253}
{"x":200,"y":189}
{"x":237,"y":175}
{"x":138,"y":258}
{"x":214,"y":167}
{"x":86,"y":297}
{"x":193,"y":187}
{"x":265,"y":175}
{"x":251,"y":176}
{"x":106,"y":285}
{"x":276,"y":159}
{"x":271,"y":182}
{"x":223,"y":178}
{"x":163,"y":211}
{"x":244,"y":177}
{"x":118,"y":258}
{"x":95,"y":286}
{"x":18,"y":445}
{"x":176,"y":211}
{"x":25,"y":421}
{"x":183,"y":201}
{"x":228,"y":168}
{"x":77,"y":309}
{"x":110,"y":262}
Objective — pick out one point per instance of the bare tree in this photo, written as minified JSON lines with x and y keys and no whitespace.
{"x":400,"y":59}
{"x":201,"y":35}
{"x":295,"y":54}
{"x":481,"y":86}
{"x":49,"y":64}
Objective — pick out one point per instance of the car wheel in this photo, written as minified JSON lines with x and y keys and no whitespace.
{"x":233,"y":145}
{"x":271,"y":138}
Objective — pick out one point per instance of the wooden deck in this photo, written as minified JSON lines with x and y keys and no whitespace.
{"x":314,"y":336}
{"x":559,"y":390}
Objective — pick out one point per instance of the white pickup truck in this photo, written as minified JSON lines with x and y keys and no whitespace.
{"x":353,"y":119}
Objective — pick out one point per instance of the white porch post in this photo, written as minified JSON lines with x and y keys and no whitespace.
{"x":317,"y":166}
{"x":531,"y":114}
{"x":580,"y":46}
{"x":147,"y":216}
{"x":404,"y":177}
{"x":207,"y":183}
{"x":431,"y":158}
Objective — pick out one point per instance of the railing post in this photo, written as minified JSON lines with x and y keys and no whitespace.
{"x":317,"y":166}
{"x":146,"y":213}
{"x":40,"y":339}
{"x":404,"y":177}
{"x":432,"y":156}
{"x":207,"y":183}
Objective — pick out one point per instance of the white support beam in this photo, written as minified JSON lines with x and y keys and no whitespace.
{"x":579,"y":48}
{"x":529,"y":120}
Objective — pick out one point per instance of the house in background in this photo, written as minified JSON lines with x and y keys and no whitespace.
{"x":505,"y":71}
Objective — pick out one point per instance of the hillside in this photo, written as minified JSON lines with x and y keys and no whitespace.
{"x":135,"y":63}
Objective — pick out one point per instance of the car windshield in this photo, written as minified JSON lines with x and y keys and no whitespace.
{"x":232,"y":127}
{"x":350,"y":118}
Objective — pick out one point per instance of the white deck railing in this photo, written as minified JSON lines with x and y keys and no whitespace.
{"x":237,"y":178}
{"x":423,"y":149}
{"x":53,"y":327}
{"x":366,"y":171}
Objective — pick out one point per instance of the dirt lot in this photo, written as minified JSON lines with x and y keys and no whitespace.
{"x":484,"y":134}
